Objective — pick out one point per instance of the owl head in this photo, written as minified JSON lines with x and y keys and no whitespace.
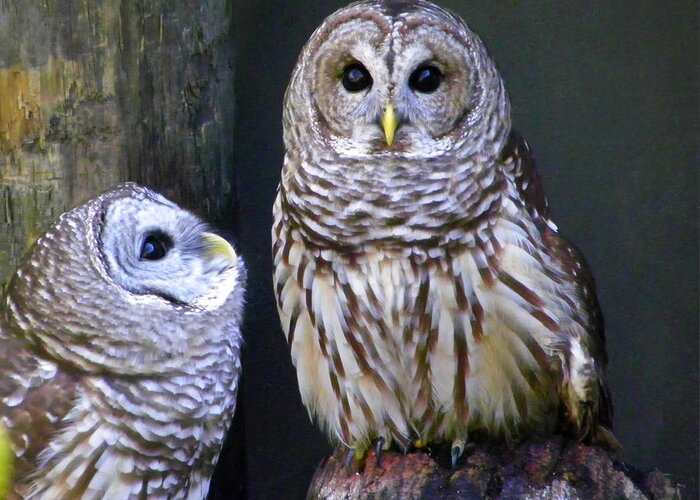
{"x":127,"y":278}
{"x":396,"y":78}
{"x":151,"y":247}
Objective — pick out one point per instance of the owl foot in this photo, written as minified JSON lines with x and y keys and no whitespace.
{"x":356,"y":456}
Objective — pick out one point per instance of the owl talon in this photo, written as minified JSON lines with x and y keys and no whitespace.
{"x":458,"y":446}
{"x":355,"y":460}
{"x":378,"y":449}
{"x":349,"y":460}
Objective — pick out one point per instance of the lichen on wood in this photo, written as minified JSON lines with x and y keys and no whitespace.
{"x":540,"y":468}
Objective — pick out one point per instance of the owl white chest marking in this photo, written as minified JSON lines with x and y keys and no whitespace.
{"x":388,"y":346}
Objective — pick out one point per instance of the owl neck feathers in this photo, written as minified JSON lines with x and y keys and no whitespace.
{"x":399,"y":203}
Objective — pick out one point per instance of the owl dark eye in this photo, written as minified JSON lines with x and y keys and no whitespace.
{"x":155,"y":246}
{"x":425,"y":79}
{"x":356,"y":77}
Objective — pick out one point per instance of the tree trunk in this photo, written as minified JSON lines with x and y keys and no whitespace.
{"x":94,"y":92}
{"x":540,"y":468}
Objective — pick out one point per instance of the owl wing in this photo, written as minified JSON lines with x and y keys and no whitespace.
{"x":35,"y":396}
{"x":519,"y":164}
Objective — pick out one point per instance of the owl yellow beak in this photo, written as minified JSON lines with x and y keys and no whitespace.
{"x":219,"y":247}
{"x":389,"y":123}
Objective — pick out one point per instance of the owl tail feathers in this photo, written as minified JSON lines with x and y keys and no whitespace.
{"x":586,"y":420}
{"x":588,"y":429}
{"x":587,"y":415}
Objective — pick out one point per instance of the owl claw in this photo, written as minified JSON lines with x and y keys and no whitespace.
{"x":378,"y":449}
{"x":355,"y":460}
{"x":457,"y":450}
{"x":349,"y":460}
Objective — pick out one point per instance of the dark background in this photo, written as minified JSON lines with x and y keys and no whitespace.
{"x":606,"y":93}
{"x":186,"y":97}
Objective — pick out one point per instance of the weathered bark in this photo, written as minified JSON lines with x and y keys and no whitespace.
{"x":540,"y":468}
{"x":93,"y":92}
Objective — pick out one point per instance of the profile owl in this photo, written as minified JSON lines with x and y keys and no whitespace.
{"x":120,"y":352}
{"x":425,"y":294}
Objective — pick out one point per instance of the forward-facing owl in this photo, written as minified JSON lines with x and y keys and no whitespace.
{"x":425,"y":294}
{"x":120,"y":351}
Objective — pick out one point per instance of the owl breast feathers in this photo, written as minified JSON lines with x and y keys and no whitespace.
{"x":425,"y":294}
{"x":120,"y":345}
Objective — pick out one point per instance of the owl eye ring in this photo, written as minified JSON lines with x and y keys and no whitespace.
{"x":425,"y":79}
{"x":356,"y":77}
{"x":155,"y":246}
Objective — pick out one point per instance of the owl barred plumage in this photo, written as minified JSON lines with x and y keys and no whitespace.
{"x":424,"y":292}
{"x":120,"y":347}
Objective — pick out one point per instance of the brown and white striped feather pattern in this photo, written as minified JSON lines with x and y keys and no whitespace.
{"x":80,"y":436}
{"x":94,"y":413}
{"x":404,"y":343}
